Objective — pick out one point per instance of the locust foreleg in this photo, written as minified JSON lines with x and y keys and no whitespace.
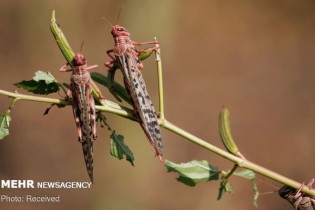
{"x":109,"y":64}
{"x":144,"y":43}
{"x":64,"y":68}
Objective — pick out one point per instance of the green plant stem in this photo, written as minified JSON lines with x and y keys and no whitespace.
{"x":230,"y":173}
{"x":33,"y":98}
{"x":239,"y":161}
{"x":12,"y":106}
{"x":160,"y":80}
{"x":107,"y":106}
{"x":114,"y":108}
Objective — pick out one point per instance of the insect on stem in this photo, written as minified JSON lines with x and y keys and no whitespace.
{"x":126,"y":56}
{"x":83,"y":106}
{"x":298,"y":199}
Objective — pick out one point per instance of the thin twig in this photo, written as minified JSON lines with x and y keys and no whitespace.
{"x":114,"y":108}
{"x":160,"y":80}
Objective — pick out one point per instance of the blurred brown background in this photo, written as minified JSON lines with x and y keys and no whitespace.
{"x":254,"y":57}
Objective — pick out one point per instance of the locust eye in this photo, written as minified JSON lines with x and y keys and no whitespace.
{"x":120,"y":29}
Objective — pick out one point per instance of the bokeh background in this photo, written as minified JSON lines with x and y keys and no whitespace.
{"x":254,"y":57}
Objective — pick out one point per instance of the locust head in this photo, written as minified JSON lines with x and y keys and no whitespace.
{"x":78,"y":60}
{"x":118,"y":30}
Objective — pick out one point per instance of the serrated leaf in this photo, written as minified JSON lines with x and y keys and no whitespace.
{"x":40,"y":87}
{"x":193,"y":172}
{"x":224,"y":187}
{"x":46,"y":76}
{"x":4,"y":125}
{"x":118,"y":148}
{"x":43,"y":83}
{"x":246,"y":173}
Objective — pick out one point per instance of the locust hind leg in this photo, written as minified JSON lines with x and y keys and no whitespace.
{"x":77,"y":121}
{"x":76,"y":113}
{"x":93,"y":117}
{"x":78,"y":124}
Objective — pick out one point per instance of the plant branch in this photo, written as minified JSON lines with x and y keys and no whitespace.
{"x":12,"y":106}
{"x":160,"y":80}
{"x":108,"y":106}
{"x":239,"y":161}
{"x":122,"y":111}
{"x":19,"y":96}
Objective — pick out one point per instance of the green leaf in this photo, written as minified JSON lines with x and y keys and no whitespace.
{"x":38,"y":87}
{"x":224,"y":187}
{"x":117,"y":90}
{"x":4,"y":125}
{"x":146,"y":54}
{"x":61,"y":39}
{"x":246,"y":173}
{"x":193,"y":172}
{"x":46,"y":76}
{"x":43,"y":83}
{"x":118,"y":148}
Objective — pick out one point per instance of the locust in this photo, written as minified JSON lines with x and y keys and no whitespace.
{"x":298,"y":199}
{"x":126,"y":56}
{"x":83,"y":106}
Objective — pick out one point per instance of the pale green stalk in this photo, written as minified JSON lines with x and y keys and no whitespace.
{"x":114,"y":108}
{"x":160,"y":80}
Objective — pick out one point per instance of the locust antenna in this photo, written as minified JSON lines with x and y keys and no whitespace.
{"x":267,"y":183}
{"x":270,"y":192}
{"x":107,"y":21}
{"x":81,"y":47}
{"x":266,"y":193}
{"x":119,"y":14}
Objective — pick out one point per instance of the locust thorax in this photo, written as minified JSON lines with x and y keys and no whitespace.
{"x":78,"y":60}
{"x":118,"y":30}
